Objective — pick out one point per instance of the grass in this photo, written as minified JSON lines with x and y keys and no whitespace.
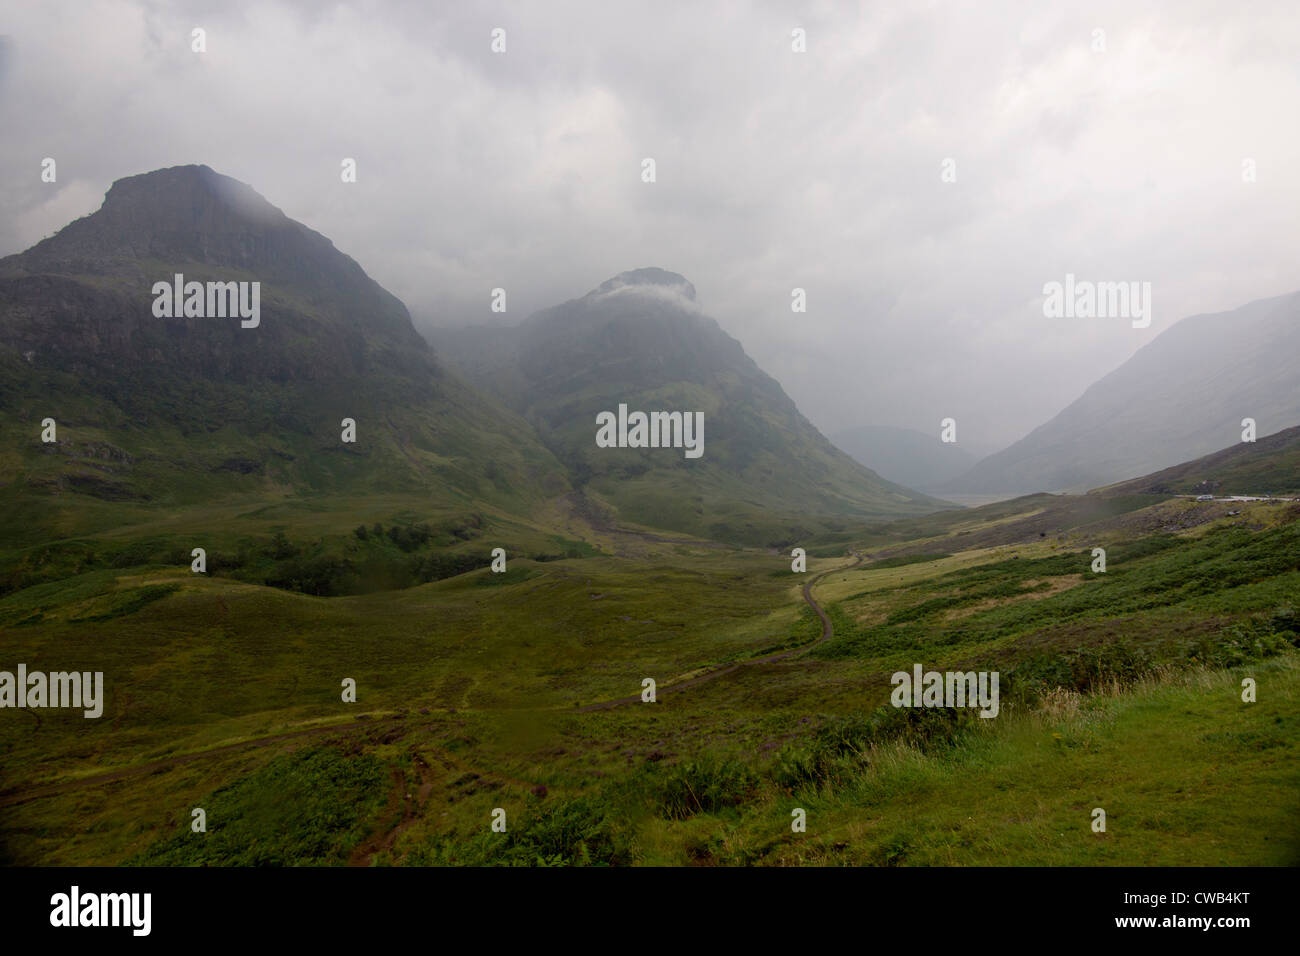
{"x":1208,"y":581}
{"x":1023,"y":792}
{"x":306,"y":809}
{"x":1120,"y":691}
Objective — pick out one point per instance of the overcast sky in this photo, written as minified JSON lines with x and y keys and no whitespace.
{"x":775,"y":169}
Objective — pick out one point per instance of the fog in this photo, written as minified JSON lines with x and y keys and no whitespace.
{"x":1112,"y":156}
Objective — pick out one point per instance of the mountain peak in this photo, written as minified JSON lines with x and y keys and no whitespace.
{"x":195,"y":222}
{"x":193,"y":214}
{"x":180,"y":213}
{"x":651,"y":277}
{"x":184,"y":196}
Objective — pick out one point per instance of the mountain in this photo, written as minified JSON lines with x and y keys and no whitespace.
{"x":1181,"y":396}
{"x":905,"y":455}
{"x":766,"y":476}
{"x":1267,"y":466}
{"x":161,"y":411}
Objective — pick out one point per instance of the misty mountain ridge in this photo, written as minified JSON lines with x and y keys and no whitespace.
{"x":194,"y":221}
{"x":1181,"y":396}
{"x":641,"y":339}
{"x":179,"y":409}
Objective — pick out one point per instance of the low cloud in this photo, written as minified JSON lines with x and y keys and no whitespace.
{"x":775,"y":169}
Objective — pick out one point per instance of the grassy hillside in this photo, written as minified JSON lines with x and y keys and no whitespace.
{"x":1119,"y":690}
{"x":1267,"y":466}
{"x":332,"y":564}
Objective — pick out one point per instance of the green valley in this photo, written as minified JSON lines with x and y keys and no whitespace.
{"x":463,"y":631}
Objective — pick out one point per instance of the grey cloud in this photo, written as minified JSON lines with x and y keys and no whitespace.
{"x":775,"y":170}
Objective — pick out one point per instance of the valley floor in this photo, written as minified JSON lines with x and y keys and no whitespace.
{"x":478,"y":692}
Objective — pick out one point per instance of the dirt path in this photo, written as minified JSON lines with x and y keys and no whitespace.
{"x":828,"y":630}
{"x":404,"y":800}
{"x":410,"y":793}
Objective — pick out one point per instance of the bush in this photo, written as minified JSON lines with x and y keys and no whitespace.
{"x":323,"y":576}
{"x":281,"y":547}
{"x":308,"y":808}
{"x":704,"y":786}
{"x":839,"y":749}
{"x":577,"y":832}
{"x":435,"y":567}
{"x":1080,"y":669}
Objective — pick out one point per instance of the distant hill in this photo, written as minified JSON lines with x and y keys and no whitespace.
{"x":905,"y":455}
{"x":1181,"y":396}
{"x":179,"y":410}
{"x":1269,"y":465}
{"x":767,"y":475}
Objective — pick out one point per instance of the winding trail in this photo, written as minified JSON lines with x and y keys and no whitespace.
{"x":828,"y":631}
{"x":17,"y":795}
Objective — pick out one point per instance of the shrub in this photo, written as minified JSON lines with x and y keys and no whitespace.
{"x":576,"y":832}
{"x":308,"y":808}
{"x":839,"y":749}
{"x":704,"y":786}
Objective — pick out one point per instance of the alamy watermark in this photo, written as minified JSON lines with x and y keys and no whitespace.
{"x":76,"y":908}
{"x":651,"y":430}
{"x":1084,"y":299}
{"x":946,"y":689}
{"x":179,"y":299}
{"x":56,"y":689}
